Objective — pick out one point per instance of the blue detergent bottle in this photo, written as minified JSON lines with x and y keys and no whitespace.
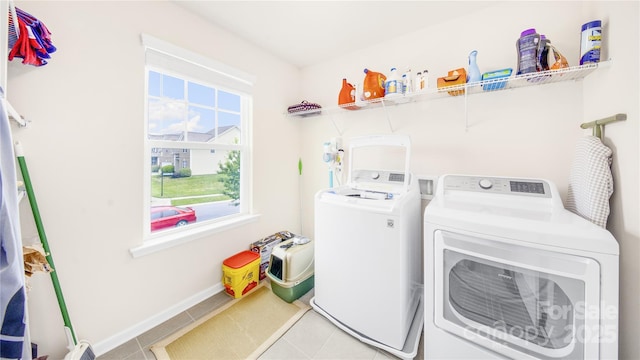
{"x":473,"y":73}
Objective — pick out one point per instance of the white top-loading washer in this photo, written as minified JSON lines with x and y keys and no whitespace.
{"x":368,"y":278}
{"x":509,"y":273}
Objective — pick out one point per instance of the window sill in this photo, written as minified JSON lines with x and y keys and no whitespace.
{"x":170,"y":240}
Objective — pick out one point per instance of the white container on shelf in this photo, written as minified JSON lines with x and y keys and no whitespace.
{"x":407,"y":82}
{"x":393,"y":86}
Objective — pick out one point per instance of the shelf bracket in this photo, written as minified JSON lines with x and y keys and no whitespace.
{"x":466,"y":108}
{"x":13,"y":114}
{"x":334,"y":124}
{"x":386,"y":113}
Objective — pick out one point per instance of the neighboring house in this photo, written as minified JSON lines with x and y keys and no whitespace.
{"x":207,"y":161}
{"x":200,"y":162}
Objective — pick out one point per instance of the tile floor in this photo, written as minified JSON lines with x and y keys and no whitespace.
{"x":312,"y":337}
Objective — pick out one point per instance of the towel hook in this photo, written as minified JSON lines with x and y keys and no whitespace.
{"x":598,"y":125}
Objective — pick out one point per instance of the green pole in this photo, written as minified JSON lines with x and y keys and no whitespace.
{"x":45,"y":244}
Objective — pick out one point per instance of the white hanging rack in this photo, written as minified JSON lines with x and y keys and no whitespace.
{"x":13,"y":114}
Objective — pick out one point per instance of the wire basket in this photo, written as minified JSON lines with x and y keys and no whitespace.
{"x":304,"y":108}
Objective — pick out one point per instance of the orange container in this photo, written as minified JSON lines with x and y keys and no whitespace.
{"x":455,"y":78}
{"x":347,"y":95}
{"x":373,"y":84}
{"x":240,"y":273}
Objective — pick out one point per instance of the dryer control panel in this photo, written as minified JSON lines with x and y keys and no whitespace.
{"x":498,"y":185}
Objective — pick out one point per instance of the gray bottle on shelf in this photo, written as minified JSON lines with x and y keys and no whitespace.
{"x":527,"y":46}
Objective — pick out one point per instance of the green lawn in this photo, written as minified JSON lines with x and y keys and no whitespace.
{"x":197,"y":186}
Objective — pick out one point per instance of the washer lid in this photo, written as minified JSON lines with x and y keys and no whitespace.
{"x":380,"y":163}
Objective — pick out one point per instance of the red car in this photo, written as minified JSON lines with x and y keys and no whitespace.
{"x":171,"y":216}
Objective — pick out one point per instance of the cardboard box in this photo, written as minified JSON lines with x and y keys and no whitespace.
{"x":265,"y":246}
{"x":455,"y":78}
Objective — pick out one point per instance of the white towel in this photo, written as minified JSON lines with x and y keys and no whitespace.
{"x":591,"y":182}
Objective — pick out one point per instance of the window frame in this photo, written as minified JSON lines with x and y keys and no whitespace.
{"x":156,"y":241}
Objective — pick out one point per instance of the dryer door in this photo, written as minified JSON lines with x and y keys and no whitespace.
{"x":518,"y":301}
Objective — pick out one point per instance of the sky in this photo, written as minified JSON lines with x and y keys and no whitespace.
{"x":177,"y":105}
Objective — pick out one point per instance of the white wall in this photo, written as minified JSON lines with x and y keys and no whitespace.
{"x":85,"y":154}
{"x":605,"y":95}
{"x":527,"y":132}
{"x":84,"y":146}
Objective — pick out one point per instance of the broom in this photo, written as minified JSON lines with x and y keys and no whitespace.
{"x":78,"y":350}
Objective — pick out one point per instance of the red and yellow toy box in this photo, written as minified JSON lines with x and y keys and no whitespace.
{"x":240,"y":273}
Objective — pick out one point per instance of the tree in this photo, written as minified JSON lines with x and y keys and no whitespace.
{"x":229,"y":175}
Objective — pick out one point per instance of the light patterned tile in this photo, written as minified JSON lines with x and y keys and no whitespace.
{"x":122,"y":351}
{"x":165,"y":329}
{"x":310,"y":333}
{"x":341,"y":345}
{"x":207,"y":306}
{"x":282,"y":349}
{"x":137,"y":356}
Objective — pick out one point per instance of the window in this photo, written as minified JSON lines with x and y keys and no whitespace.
{"x":197,"y":149}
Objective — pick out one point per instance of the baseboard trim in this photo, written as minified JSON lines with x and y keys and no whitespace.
{"x":122,"y":337}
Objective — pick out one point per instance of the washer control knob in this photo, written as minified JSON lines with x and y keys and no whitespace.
{"x":375,"y":175}
{"x":485,"y":184}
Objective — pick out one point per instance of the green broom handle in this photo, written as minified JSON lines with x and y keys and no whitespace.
{"x":43,"y":239}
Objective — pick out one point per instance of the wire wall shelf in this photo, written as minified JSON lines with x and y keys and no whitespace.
{"x":486,"y":86}
{"x":525,"y":80}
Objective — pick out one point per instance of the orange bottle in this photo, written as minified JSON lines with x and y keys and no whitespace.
{"x":373,"y":85}
{"x":347,"y":95}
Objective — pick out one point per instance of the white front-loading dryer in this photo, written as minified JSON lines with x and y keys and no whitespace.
{"x":509,"y":273}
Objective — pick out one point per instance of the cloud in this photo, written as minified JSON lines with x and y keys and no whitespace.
{"x":166,"y":117}
{"x":194,"y":122}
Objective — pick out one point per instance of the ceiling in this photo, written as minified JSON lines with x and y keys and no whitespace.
{"x":304,"y":33}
